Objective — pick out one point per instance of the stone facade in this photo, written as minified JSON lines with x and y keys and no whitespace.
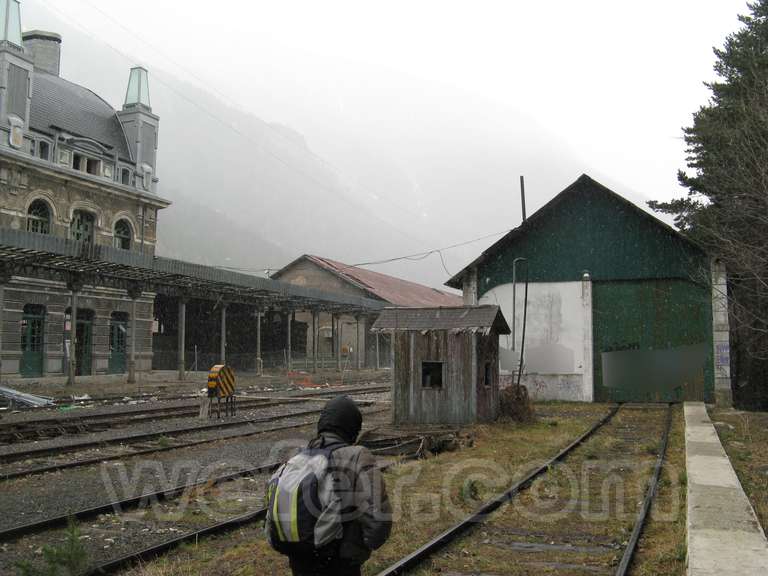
{"x":73,"y":167}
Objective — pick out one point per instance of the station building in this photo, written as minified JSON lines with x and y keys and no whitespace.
{"x":359,"y":346}
{"x":72,"y":168}
{"x":621,"y":307}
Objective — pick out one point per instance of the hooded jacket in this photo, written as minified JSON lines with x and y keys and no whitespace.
{"x":367,"y":516}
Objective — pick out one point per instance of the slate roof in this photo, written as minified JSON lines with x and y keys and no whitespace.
{"x":456,"y":319}
{"x":74,"y":109}
{"x":395,"y":291}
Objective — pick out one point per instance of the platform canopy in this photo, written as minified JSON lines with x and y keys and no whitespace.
{"x":42,"y":256}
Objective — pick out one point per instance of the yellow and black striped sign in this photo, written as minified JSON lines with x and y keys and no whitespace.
{"x":221,"y":378}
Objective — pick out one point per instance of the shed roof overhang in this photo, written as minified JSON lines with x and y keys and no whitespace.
{"x":41,"y":256}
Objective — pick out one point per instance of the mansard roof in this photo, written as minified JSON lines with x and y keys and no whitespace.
{"x":61,"y":104}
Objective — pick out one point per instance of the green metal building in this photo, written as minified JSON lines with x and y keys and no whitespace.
{"x":624,"y":300}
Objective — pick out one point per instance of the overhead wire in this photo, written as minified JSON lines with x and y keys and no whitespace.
{"x":262,"y":269}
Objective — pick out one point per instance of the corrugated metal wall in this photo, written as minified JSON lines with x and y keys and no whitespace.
{"x":592,"y":230}
{"x":649,"y":294}
{"x":656,"y":336}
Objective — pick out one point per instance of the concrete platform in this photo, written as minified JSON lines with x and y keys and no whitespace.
{"x":724,"y":534}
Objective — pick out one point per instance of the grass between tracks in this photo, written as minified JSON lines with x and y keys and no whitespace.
{"x":662,"y":548}
{"x":427,"y":496}
{"x":579,"y":516}
{"x":745,"y":438}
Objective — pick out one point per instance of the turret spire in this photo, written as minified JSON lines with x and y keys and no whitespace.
{"x":138,"y":88}
{"x":10,"y":22}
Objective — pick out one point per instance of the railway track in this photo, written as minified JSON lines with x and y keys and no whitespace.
{"x":98,"y":422}
{"x":17,"y":535}
{"x":627,"y":434}
{"x":162,"y":444}
{"x":153,"y":551}
{"x":39,"y":427}
{"x":160,"y":396}
{"x":532,"y":542}
{"x":46,"y":428}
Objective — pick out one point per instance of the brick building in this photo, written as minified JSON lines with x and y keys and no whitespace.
{"x":72,"y":167}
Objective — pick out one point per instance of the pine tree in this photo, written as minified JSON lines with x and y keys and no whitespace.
{"x":726,"y":209}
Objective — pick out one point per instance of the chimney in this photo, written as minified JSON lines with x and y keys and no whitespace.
{"x":45,"y":50}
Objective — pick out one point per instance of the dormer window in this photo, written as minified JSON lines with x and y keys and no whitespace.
{"x":125,"y":177}
{"x":85,"y":164}
{"x":44,"y":150}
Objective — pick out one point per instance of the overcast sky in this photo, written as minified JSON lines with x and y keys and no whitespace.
{"x":606,"y":83}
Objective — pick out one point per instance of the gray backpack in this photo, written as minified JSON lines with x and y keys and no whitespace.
{"x":303,"y":507}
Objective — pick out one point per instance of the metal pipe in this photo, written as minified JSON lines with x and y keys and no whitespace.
{"x":514,"y":296}
{"x":525,"y":318}
{"x":522,"y":194}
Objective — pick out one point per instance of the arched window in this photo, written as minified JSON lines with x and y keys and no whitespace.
{"x":39,"y":217}
{"x":123,"y":235}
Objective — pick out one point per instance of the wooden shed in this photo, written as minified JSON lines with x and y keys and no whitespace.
{"x":446,"y":363}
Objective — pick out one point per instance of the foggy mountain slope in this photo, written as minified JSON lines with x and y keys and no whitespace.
{"x":414,"y":165}
{"x":207,"y":236}
{"x":256,"y":182}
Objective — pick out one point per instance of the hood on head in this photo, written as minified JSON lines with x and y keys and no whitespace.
{"x":342,"y":417}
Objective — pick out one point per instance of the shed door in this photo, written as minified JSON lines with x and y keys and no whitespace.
{"x":652,"y":341}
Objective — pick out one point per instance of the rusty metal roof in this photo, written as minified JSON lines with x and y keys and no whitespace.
{"x":457,"y":319}
{"x":390,"y":289}
{"x":40,"y":255}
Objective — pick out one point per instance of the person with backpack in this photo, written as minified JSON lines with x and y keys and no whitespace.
{"x":327,"y":507}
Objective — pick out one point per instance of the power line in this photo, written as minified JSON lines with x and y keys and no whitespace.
{"x":411,"y":257}
{"x":422,"y":255}
{"x":416,"y":257}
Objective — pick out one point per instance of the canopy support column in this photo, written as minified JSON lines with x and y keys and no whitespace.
{"x":182,"y":338}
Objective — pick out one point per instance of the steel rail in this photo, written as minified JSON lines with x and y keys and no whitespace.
{"x":35,"y":452}
{"x":449,"y":535}
{"x":228,"y":525}
{"x":122,"y":418}
{"x":308,"y":395}
{"x":21,"y":530}
{"x":650,"y":494}
{"x":158,"y":549}
{"x":192,"y":443}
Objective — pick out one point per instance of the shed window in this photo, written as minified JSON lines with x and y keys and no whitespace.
{"x":432,"y":374}
{"x":487,"y":377}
